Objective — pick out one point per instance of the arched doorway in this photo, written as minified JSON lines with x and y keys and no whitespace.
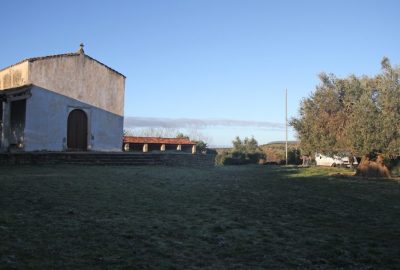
{"x":77,"y":130}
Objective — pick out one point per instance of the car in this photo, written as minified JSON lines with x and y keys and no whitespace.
{"x":335,"y":160}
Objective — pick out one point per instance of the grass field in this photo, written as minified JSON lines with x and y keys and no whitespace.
{"x":244,"y":217}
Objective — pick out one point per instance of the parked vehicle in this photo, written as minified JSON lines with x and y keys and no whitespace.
{"x":335,"y":161}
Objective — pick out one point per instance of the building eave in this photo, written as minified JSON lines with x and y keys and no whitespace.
{"x":16,"y":93}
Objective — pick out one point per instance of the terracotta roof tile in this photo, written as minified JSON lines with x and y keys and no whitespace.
{"x":158,"y":140}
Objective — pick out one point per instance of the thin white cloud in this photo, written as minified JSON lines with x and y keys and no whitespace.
{"x":171,"y":123}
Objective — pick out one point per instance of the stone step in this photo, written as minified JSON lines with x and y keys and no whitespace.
{"x":118,"y":159}
{"x":108,"y":158}
{"x":115,"y":163}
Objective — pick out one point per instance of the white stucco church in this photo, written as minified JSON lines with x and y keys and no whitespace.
{"x":64,"y":102}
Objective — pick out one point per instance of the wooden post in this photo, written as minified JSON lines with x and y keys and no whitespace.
{"x":286,"y":129}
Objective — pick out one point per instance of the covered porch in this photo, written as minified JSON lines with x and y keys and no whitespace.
{"x":150,"y":144}
{"x":12,"y":117}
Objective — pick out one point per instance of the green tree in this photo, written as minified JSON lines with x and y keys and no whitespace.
{"x":353,"y":114}
{"x":180,"y":135}
{"x":388,"y":84}
{"x":321,"y":125}
{"x":248,"y":145}
{"x":201,"y":146}
{"x":237,"y":145}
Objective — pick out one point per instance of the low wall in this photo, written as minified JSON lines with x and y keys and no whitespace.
{"x":101,"y":158}
{"x":189,"y":160}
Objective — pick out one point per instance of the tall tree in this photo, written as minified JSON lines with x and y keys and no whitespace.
{"x":354,"y":114}
{"x":388,"y":84}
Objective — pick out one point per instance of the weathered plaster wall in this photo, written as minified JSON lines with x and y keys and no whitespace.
{"x":80,"y":78}
{"x":46,"y":123}
{"x":14,"y":76}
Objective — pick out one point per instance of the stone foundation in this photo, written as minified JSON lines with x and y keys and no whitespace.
{"x":93,"y":158}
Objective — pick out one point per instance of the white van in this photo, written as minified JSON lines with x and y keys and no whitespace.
{"x":335,"y":161}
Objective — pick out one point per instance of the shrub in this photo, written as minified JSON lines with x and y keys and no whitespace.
{"x":220,"y":159}
{"x":243,"y":152}
{"x":372,"y":165}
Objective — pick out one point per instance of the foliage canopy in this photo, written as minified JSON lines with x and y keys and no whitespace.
{"x":353,"y":114}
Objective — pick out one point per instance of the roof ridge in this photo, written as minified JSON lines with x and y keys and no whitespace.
{"x":137,"y":139}
{"x":33,"y":59}
{"x":157,"y":137}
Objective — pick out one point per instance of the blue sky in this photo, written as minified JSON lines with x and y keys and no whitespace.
{"x":223,"y":64}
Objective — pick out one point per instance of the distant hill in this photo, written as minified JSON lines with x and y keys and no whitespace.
{"x":275,"y":151}
{"x":221,"y":149}
{"x":283,"y":142}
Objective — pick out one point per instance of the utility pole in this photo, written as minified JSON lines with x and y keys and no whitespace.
{"x":286,"y":128}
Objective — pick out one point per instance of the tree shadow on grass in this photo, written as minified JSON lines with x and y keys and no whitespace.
{"x":314,"y":173}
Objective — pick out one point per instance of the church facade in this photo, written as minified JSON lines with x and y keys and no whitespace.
{"x":65,"y":102}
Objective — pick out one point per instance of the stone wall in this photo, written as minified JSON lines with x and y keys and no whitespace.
{"x":95,"y":158}
{"x":46,"y":123}
{"x":81,"y":78}
{"x":77,"y":76}
{"x":189,"y":160}
{"x":14,"y":76}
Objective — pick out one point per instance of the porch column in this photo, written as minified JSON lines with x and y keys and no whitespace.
{"x":145,"y":148}
{"x":162,"y":148}
{"x":179,"y":147}
{"x":5,"y":126}
{"x":126,"y":147}
{"x":194,"y":149}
